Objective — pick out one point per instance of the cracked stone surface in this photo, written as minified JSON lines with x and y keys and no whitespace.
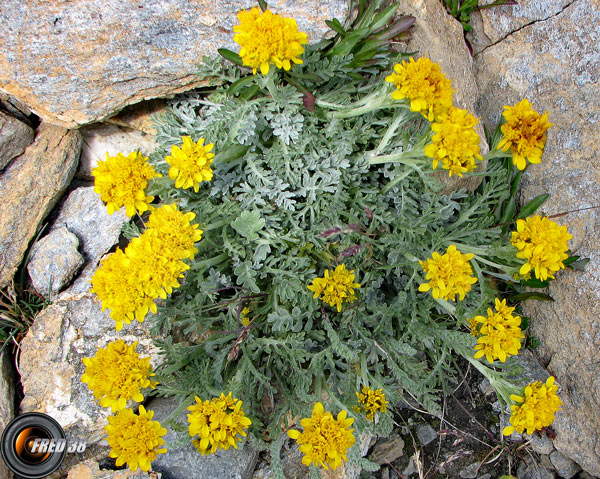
{"x":555,"y":63}
{"x":30,"y":187}
{"x":15,"y":136}
{"x":76,"y":62}
{"x":84,"y":214}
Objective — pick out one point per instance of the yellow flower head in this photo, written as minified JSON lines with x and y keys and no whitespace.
{"x":448,"y":274}
{"x":335,"y":288}
{"x":175,"y":230}
{"x":135,"y":439}
{"x":325,"y":440}
{"x":190,"y":164}
{"x":424,"y":85}
{"x":455,"y":142}
{"x":265,"y":37}
{"x":219,"y":424}
{"x":500,"y":333}
{"x":537,"y":407}
{"x":524,"y":133}
{"x":117,"y":286}
{"x":371,"y":400}
{"x":117,"y":374}
{"x":543,"y":244}
{"x":122,"y":181}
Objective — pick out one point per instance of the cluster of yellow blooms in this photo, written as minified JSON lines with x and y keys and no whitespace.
{"x":524,"y":133}
{"x":218,"y":423}
{"x":371,"y":401}
{"x":336,"y":288}
{"x":190,"y":164}
{"x":265,"y":37}
{"x":455,"y":142}
{"x":500,"y":333}
{"x":128,"y":282}
{"x":537,"y":407}
{"x":448,"y":274}
{"x":135,"y":439}
{"x":122,"y":181}
{"x":325,"y":440}
{"x":543,"y":243}
{"x":117,"y":374}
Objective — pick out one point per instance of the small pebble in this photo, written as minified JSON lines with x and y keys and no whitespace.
{"x":426,"y":434}
{"x":565,"y":467}
{"x":469,"y":472}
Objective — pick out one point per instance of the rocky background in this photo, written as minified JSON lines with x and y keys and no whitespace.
{"x":80,"y":78}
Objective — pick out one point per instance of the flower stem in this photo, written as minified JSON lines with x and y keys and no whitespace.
{"x":490,"y":155}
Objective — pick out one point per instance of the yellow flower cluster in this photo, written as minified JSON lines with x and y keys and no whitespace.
{"x":448,"y":274}
{"x":267,"y":38}
{"x":219,"y":424}
{"x":336,"y":288}
{"x":371,"y":400}
{"x":325,"y":440}
{"x":537,"y":407}
{"x":190,"y":164}
{"x":543,"y":244}
{"x":455,"y":142}
{"x":245,"y":320}
{"x":122,"y":181}
{"x":135,"y":439}
{"x":500,"y":333}
{"x":424,"y":85}
{"x":128,"y":282}
{"x":117,"y":374}
{"x":524,"y":133}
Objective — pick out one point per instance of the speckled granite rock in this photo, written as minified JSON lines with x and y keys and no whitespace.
{"x":15,"y":136}
{"x":438,"y":36}
{"x":74,"y":63}
{"x":62,"y":334}
{"x":53,"y":262}
{"x":30,"y":187}
{"x":555,"y":63}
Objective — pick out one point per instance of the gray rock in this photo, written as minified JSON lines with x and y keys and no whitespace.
{"x":72,"y":83}
{"x":291,"y":462}
{"x":555,"y":64}
{"x":564,"y":466}
{"x":387,"y":450}
{"x":533,"y":470}
{"x":470,"y":472}
{"x":61,"y":336}
{"x":486,"y":387}
{"x":84,"y":214}
{"x":53,"y":262}
{"x":426,"y":434}
{"x":30,"y":187}
{"x":15,"y":136}
{"x":541,"y":443}
{"x":185,"y":462}
{"x":485,"y":476}
{"x":7,"y":400}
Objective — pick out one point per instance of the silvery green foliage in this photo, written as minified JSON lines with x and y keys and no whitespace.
{"x":293,"y":194}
